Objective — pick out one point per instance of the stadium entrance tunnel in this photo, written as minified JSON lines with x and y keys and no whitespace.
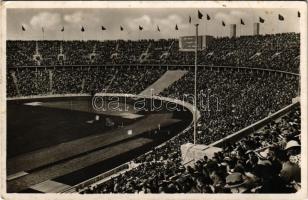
{"x":69,"y":139}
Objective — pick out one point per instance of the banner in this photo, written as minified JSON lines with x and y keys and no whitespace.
{"x":188,"y":43}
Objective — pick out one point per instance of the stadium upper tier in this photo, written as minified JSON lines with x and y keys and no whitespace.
{"x":276,"y":51}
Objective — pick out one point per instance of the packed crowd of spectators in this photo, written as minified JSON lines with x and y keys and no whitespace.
{"x":43,"y":81}
{"x":267,"y":161}
{"x":276,"y":51}
{"x":229,"y":100}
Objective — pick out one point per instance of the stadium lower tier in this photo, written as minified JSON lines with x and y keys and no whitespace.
{"x":267,"y":161}
{"x":67,"y":140}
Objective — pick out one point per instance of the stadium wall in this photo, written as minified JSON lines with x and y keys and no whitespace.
{"x":176,"y":101}
{"x":168,"y":66}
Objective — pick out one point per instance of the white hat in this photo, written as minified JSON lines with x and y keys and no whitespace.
{"x":292,"y":143}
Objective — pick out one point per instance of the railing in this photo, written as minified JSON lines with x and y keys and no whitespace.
{"x":137,"y":65}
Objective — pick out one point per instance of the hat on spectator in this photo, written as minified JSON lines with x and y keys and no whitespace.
{"x":291,"y":144}
{"x":264,"y":154}
{"x":264,"y":162}
{"x":235,"y":180}
{"x":227,"y":159}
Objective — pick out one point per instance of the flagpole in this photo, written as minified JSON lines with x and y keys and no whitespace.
{"x":22,"y":35}
{"x":195,"y":85}
{"x":240,"y":31}
{"x":277,"y":32}
{"x":259,"y":27}
{"x":205,"y":26}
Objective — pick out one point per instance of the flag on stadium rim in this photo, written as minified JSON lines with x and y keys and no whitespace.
{"x":223,"y":23}
{"x":176,"y":27}
{"x":189,"y":20}
{"x":140,"y":28}
{"x":121,"y":28}
{"x":82,"y":29}
{"x":200,"y":15}
{"x":242,"y":22}
{"x":280,"y":17}
{"x":158,"y":28}
{"x":23,"y":28}
{"x":208,"y":17}
{"x":62,"y":30}
{"x":261,"y":20}
{"x":298,"y":14}
{"x":103,"y":28}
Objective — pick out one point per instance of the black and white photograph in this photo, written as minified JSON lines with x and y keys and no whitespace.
{"x":154,"y":98}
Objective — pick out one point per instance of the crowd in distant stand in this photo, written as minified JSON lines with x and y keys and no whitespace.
{"x":231,"y":100}
{"x":279,"y":52}
{"x":43,"y":81}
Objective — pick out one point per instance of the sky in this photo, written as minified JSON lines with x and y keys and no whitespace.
{"x":52,"y":20}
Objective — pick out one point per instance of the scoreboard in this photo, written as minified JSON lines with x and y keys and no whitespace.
{"x":188,"y":43}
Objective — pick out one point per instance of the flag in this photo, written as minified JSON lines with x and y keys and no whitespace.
{"x":62,"y":30}
{"x":121,"y":28}
{"x":280,"y":17}
{"x":140,"y":28}
{"x":261,"y":20}
{"x":189,"y":20}
{"x":23,"y":28}
{"x":298,"y":14}
{"x":208,"y":17}
{"x":82,"y":29}
{"x":176,"y":27}
{"x":200,"y":15}
{"x":158,"y":29}
{"x":103,"y":28}
{"x":43,"y":29}
{"x":242,"y":22}
{"x":223,"y":23}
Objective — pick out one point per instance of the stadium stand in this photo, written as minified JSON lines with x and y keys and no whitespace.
{"x":265,"y":162}
{"x":233,"y":99}
{"x":279,"y":52}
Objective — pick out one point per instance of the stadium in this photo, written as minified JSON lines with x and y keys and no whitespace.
{"x":118,"y":116}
